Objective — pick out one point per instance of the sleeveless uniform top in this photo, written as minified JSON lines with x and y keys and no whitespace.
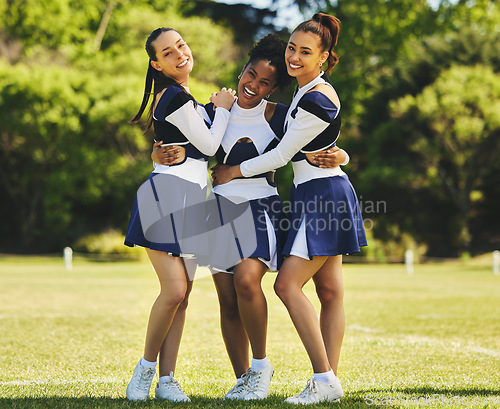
{"x":263,"y":135}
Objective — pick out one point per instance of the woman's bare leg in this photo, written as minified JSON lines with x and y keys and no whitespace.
{"x":233,"y":332}
{"x":173,"y":287}
{"x":330,"y":290}
{"x":252,"y":303}
{"x":292,"y":277}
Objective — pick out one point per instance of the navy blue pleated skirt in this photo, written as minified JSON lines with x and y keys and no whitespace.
{"x":242,"y":230}
{"x":169,"y":214}
{"x":328,"y":211}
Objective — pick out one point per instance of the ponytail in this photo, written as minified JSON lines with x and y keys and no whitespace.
{"x":155,"y":79}
{"x":158,"y":81}
{"x":147,"y":94}
{"x":327,"y":28}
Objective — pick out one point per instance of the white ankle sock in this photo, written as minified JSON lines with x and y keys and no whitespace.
{"x":164,"y":379}
{"x":325,"y":377}
{"x":148,"y":364}
{"x":260,"y":364}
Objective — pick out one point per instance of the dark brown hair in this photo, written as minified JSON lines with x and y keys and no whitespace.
{"x":327,"y":28}
{"x":154,"y":79}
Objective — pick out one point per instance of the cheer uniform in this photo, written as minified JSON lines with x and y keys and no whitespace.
{"x":248,"y":211}
{"x":169,"y":210}
{"x":325,"y":217}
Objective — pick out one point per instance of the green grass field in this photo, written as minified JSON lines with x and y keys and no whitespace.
{"x":72,"y":339}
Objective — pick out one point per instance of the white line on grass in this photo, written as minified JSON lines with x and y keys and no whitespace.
{"x":357,"y":327}
{"x":60,"y":381}
{"x":418,"y":339}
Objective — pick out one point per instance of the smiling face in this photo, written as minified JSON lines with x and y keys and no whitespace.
{"x":257,"y":80}
{"x":173,"y":56}
{"x":304,"y":56}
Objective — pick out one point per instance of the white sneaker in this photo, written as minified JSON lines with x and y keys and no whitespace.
{"x":315,"y":392}
{"x":237,"y":392}
{"x":257,"y":383}
{"x":140,"y":384}
{"x":171,"y":390}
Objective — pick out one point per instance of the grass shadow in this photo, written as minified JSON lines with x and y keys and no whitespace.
{"x":373,"y":397}
{"x":197,"y":402}
{"x":428,"y":396}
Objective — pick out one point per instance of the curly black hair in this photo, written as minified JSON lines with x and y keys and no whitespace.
{"x":272,"y":48}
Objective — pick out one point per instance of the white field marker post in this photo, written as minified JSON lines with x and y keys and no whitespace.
{"x":409,"y":261}
{"x":496,"y":262}
{"x":68,"y":258}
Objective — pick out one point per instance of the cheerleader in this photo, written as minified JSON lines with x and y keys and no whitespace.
{"x":241,"y":257}
{"x":158,"y":220}
{"x":254,"y":246}
{"x":326,"y":219}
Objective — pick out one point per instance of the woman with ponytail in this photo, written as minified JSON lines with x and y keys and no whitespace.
{"x":326,"y":219}
{"x":169,"y":206}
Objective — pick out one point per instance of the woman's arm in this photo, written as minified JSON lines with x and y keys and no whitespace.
{"x":304,"y":128}
{"x":193,"y":127}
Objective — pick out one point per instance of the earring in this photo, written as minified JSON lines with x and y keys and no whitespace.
{"x":239,"y":76}
{"x":267,"y":96}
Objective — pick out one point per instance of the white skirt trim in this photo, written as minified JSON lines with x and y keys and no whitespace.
{"x":299,"y":247}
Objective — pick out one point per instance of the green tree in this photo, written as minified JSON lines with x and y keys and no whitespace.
{"x":70,"y":162}
{"x":392,"y":168}
{"x":64,"y":149}
{"x":454,"y":129}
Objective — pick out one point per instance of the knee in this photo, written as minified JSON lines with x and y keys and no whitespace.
{"x":330,"y":294}
{"x":174,"y":295}
{"x":283,"y":289}
{"x":246,"y":287}
{"x":184,"y":303}
{"x":229,"y":308}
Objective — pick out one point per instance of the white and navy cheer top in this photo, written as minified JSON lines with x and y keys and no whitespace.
{"x":169,"y":213}
{"x":263,"y":135}
{"x":247,"y":211}
{"x":180,"y":120}
{"x":312,"y":124}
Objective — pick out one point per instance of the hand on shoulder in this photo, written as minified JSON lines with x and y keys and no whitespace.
{"x":224,"y":98}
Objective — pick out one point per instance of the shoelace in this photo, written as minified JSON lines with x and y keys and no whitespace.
{"x":175,"y":385}
{"x":309,"y":389}
{"x":239,"y":388}
{"x":252,"y":379}
{"x":144,"y":380}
